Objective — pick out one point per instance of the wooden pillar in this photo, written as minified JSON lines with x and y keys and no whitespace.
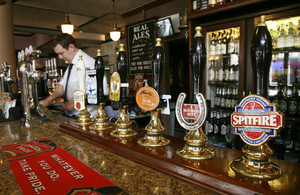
{"x":7,"y":45}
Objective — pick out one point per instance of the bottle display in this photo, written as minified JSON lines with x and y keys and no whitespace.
{"x":284,"y":84}
{"x":223,"y":83}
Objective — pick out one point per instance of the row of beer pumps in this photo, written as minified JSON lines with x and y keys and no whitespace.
{"x":255,"y":161}
{"x":255,"y":119}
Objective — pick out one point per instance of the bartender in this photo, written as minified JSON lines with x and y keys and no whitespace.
{"x":65,"y":47}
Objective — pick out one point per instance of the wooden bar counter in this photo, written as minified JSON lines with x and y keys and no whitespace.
{"x":141,"y":170}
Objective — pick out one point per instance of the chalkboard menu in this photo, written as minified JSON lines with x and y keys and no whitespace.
{"x":141,"y":42}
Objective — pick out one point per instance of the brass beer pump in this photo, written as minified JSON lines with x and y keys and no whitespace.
{"x":101,"y":120}
{"x":80,"y":97}
{"x":195,"y":147}
{"x":123,"y":126}
{"x":155,"y":130}
{"x":255,"y":161}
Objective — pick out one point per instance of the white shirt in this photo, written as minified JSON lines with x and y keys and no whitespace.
{"x":73,"y":83}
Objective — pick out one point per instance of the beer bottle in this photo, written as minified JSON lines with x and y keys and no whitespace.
{"x":211,"y":71}
{"x":292,"y":103}
{"x":224,"y":44}
{"x":217,"y":98}
{"x":219,"y":44}
{"x":297,"y":36}
{"x":212,"y":45}
{"x":237,"y":41}
{"x":224,"y":126}
{"x":261,"y":56}
{"x":226,"y":69}
{"x":220,"y":72}
{"x":210,"y":127}
{"x":230,"y":48}
{"x":281,"y":38}
{"x":222,"y":101}
{"x":283,"y":101}
{"x":217,"y":125}
{"x":290,"y":38}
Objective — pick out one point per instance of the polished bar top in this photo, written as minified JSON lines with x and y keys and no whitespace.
{"x":126,"y":174}
{"x":213,"y":174}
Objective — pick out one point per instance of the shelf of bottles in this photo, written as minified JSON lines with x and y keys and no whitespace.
{"x":222,"y":88}
{"x":204,"y":4}
{"x":284,"y":84}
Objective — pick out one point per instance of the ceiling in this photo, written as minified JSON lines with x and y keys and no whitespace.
{"x":42,"y":17}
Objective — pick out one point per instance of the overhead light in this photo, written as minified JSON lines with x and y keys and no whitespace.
{"x":115,"y":34}
{"x":67,"y":26}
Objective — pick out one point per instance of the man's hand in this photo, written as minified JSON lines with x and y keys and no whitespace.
{"x":46,"y":102}
{"x":69,"y":105}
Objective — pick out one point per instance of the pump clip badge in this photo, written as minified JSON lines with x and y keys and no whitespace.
{"x":256,"y":120}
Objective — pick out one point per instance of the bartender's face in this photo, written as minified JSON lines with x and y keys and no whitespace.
{"x":65,"y":54}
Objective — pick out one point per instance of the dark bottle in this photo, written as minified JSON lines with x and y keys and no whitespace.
{"x":217,"y":125}
{"x":158,"y":65}
{"x":261,"y":56}
{"x":210,"y":125}
{"x":198,"y":61}
{"x":283,"y":101}
{"x":224,"y":126}
{"x":292,"y":103}
{"x":122,"y":67}
{"x":217,"y":97}
{"x":277,"y":97}
{"x":226,"y":69}
{"x":99,"y":66}
{"x":223,"y":98}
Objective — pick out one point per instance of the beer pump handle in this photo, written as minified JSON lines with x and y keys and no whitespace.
{"x":81,"y":73}
{"x":99,"y":66}
{"x":261,"y":57}
{"x":122,"y":67}
{"x":158,"y":64}
{"x":198,"y":62}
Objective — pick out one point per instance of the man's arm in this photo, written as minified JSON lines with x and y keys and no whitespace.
{"x":57,"y":93}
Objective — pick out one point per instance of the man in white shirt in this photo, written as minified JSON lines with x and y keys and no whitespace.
{"x":66,"y":49}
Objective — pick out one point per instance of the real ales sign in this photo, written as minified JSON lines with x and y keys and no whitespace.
{"x":141,"y":41}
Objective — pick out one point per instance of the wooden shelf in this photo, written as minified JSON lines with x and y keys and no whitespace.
{"x":214,"y":174}
{"x":223,"y":8}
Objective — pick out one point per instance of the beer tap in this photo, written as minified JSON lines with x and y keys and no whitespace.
{"x":2,"y":78}
{"x":29,"y":77}
{"x":195,"y":147}
{"x":6,"y":78}
{"x":155,"y":130}
{"x":123,"y":124}
{"x":101,"y":119}
{"x":22,"y":72}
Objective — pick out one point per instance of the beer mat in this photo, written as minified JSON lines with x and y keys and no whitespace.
{"x":42,"y":167}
